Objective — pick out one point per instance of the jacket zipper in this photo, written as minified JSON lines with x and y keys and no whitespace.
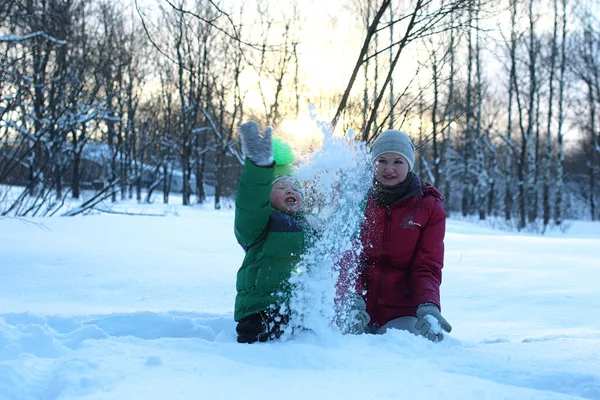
{"x":388,"y":218}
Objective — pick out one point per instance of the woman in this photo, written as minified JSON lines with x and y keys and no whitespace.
{"x":403,"y":243}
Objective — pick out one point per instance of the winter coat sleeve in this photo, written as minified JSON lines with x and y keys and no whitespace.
{"x":350,"y":280}
{"x":426,"y":267}
{"x":252,"y":203}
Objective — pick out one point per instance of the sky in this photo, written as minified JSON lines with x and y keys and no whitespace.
{"x":330,"y":38}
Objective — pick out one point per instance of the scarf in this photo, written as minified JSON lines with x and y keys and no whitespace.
{"x":388,"y":195}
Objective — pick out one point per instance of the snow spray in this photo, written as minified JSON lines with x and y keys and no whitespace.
{"x":336,"y":179}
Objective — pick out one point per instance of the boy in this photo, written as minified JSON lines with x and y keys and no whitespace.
{"x":270,"y":228}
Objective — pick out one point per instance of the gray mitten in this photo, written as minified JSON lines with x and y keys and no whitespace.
{"x":358,"y":318}
{"x":430,"y":322}
{"x":258,"y":148}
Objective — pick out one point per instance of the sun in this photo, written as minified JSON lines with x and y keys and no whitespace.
{"x":303,"y":129}
{"x":303,"y":134}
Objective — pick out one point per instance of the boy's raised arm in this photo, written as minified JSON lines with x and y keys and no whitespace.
{"x":252,"y":203}
{"x":252,"y":200}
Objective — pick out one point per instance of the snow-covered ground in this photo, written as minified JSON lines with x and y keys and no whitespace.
{"x":140,"y":307}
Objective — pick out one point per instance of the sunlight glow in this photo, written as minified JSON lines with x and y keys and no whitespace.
{"x":303,"y":134}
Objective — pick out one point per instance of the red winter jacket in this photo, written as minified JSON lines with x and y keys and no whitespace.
{"x":403,"y":254}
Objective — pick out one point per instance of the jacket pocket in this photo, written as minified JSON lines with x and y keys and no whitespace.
{"x":396,"y":288}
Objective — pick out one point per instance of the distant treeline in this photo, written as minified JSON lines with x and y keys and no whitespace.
{"x":97,"y":95}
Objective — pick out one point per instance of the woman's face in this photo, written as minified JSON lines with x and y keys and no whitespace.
{"x":391,"y":169}
{"x":286,"y":197}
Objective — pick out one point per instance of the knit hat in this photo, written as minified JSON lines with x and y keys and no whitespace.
{"x":393,"y":141}
{"x":284,"y":158}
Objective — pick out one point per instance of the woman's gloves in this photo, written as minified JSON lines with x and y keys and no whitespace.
{"x":359,"y":318}
{"x":354,"y":317}
{"x":258,"y":148}
{"x":430,"y":322}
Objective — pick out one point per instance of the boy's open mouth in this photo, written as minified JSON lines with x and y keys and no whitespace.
{"x":290,"y":200}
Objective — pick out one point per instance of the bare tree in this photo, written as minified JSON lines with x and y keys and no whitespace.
{"x":392,"y":106}
{"x":448,"y":118}
{"x":275,"y":66}
{"x":469,"y":148}
{"x":186,"y":118}
{"x":54,"y":69}
{"x":508,"y":194}
{"x":548,"y":148}
{"x":482,"y":179}
{"x":590,"y":55}
{"x":366,"y":97}
{"x":558,"y":212}
{"x":527,"y":154}
{"x":424,"y":19}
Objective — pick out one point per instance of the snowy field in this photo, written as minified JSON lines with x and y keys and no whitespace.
{"x":140,"y":307}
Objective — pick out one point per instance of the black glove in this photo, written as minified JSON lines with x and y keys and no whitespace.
{"x":256,"y":147}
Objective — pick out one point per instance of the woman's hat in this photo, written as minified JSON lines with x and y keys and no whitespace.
{"x":393,"y":141}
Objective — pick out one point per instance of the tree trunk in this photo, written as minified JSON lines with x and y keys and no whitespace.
{"x":365,"y":108}
{"x":363,"y":52}
{"x":468,"y":149}
{"x":508,"y":193}
{"x":405,"y":40}
{"x":200,"y":193}
{"x":76,"y":177}
{"x":185,"y":152}
{"x":534,"y":204}
{"x":375,"y":84}
{"x":419,"y":160}
{"x":166,"y":182}
{"x":113,"y":159}
{"x":392,"y":114}
{"x":482,"y":175}
{"x":560,"y":158}
{"x":548,"y":155}
{"x":221,"y":157}
{"x":592,"y":149}
{"x":139,"y":163}
{"x":219,"y":183}
{"x":491,"y":209}
{"x":448,"y":121}
{"x":528,"y":150}
{"x":434,"y":124}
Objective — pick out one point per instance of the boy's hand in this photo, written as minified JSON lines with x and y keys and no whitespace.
{"x":256,"y":147}
{"x":430,"y":322}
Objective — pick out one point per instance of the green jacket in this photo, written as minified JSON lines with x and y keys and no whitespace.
{"x":273,"y":242}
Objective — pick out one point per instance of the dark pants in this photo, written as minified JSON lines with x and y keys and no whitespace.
{"x":260,"y":327}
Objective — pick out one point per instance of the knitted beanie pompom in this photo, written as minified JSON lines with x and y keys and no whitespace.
{"x":283,"y":156}
{"x":282,"y":152}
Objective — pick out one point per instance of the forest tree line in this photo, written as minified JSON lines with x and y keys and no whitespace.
{"x":502,"y":98}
